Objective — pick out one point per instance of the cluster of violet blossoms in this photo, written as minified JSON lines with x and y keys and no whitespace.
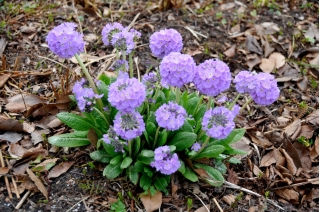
{"x":165,"y":161}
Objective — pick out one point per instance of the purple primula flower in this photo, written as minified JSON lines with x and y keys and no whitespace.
{"x":165,"y":161}
{"x":165,"y":41}
{"x":170,"y":116}
{"x":151,"y":80}
{"x":126,"y":93}
{"x":223,"y":99}
{"x":177,"y":69}
{"x":218,"y":122}
{"x":64,"y":41}
{"x":109,"y":30}
{"x":113,"y":139}
{"x":86,"y":98}
{"x":196,"y":146}
{"x":119,"y":65}
{"x":235,"y":110}
{"x":129,"y":125}
{"x":265,"y":90}
{"x":212,"y":77}
{"x":123,"y":41}
{"x":244,"y":81}
{"x":136,"y":34}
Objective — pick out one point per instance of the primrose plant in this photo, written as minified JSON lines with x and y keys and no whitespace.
{"x":148,"y":130}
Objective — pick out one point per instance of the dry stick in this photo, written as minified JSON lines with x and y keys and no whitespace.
{"x":231,"y":185}
{"x":13,"y":182}
{"x":297,"y":184}
{"x":202,"y":202}
{"x":77,"y":203}
{"x":5,"y":177}
{"x":217,"y":204}
{"x":22,"y":200}
{"x":46,"y":58}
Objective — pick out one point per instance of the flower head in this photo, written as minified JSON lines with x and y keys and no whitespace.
{"x":223,"y":99}
{"x":123,"y":41}
{"x":265,"y":90}
{"x":165,"y":41}
{"x":112,"y":138}
{"x":177,"y":69}
{"x":170,"y":116}
{"x":244,"y":81}
{"x":129,"y":125}
{"x":126,"y":93}
{"x":86,"y":98}
{"x":64,"y":41}
{"x":150,"y":80}
{"x":109,"y":30}
{"x":218,"y":122}
{"x":196,"y":146}
{"x":119,"y":65}
{"x":235,"y":110}
{"x":212,"y":77}
{"x":136,"y":34}
{"x":165,"y":161}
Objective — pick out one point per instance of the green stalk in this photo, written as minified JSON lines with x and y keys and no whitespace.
{"x":202,"y":147}
{"x":234,"y":101}
{"x":177,"y":95}
{"x":130,"y":147}
{"x":200,"y":134}
{"x":245,"y":105}
{"x":90,"y":80}
{"x":101,"y":114}
{"x":131,"y":64}
{"x":198,"y":105}
{"x":156,"y":137}
{"x":209,"y":103}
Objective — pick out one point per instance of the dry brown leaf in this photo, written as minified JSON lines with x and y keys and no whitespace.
{"x":267,"y":65}
{"x":3,"y":44}
{"x":268,"y":159}
{"x":28,"y":29}
{"x":253,"y":60}
{"x":38,"y":183}
{"x":21,"y":169}
{"x":252,"y":45}
{"x":85,"y":58}
{"x":314,"y":61}
{"x":235,"y":29}
{"x":256,"y":171}
{"x":290,"y":164}
{"x":38,"y":136}
{"x":258,"y":138}
{"x":314,"y":153}
{"x":306,"y":131}
{"x":289,"y":194}
{"x":93,"y":138}
{"x":15,"y":125}
{"x":227,"y":6}
{"x":229,"y":199}
{"x":16,"y":151}
{"x":203,"y":209}
{"x":280,"y":159}
{"x":60,"y":169}
{"x":3,"y":79}
{"x":244,"y":145}
{"x":303,"y":84}
{"x":4,"y":170}
{"x":313,"y":118}
{"x":152,"y":203}
{"x":293,"y":129}
{"x":279,"y":59}
{"x":231,"y":51}
{"x":21,"y":103}
{"x":232,"y":177}
{"x":47,"y":162}
{"x":12,"y":137}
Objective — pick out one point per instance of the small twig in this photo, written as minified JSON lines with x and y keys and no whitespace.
{"x":13,"y":182}
{"x":84,"y":203}
{"x":22,"y":200}
{"x":257,"y":150}
{"x":5,"y":177}
{"x":138,"y":71}
{"x":297,"y":184}
{"x":202,"y":202}
{"x":133,"y":21}
{"x":217,"y":204}
{"x":77,"y":203}
{"x":52,"y":61}
{"x":233,"y":186}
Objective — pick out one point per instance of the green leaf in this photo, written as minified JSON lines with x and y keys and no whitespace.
{"x":182,"y":168}
{"x":215,"y":177}
{"x":133,"y":175}
{"x":118,"y":206}
{"x":99,"y":121}
{"x":183,"y":99}
{"x":183,"y":140}
{"x":116,"y":160}
{"x":190,"y":175}
{"x":144,"y":160}
{"x":104,"y":89}
{"x":109,"y":149}
{"x":100,"y":155}
{"x":136,"y":146}
{"x":201,"y":111}
{"x":186,"y":127}
{"x":152,"y":118}
{"x":112,"y":171}
{"x":191,"y":105}
{"x":234,"y":152}
{"x":210,"y":152}
{"x":138,"y":166}
{"x":126,"y":162}
{"x":149,"y":171}
{"x":234,"y":160}
{"x":105,"y":79}
{"x":152,"y":190}
{"x":151,"y":129}
{"x":161,"y":98}
{"x":147,"y":153}
{"x":68,"y":140}
{"x":219,"y":165}
{"x":74,"y":121}
{"x":162,"y":138}
{"x":145,"y":181}
{"x":233,"y":137}
{"x":161,"y":184}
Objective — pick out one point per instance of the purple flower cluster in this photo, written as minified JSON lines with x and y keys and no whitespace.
{"x":196,"y":146}
{"x":128,"y":125}
{"x":218,"y":122}
{"x":150,"y":80}
{"x":86,"y":98}
{"x":177,"y":69}
{"x":126,"y":93}
{"x":244,"y":81}
{"x":170,"y":116}
{"x":165,"y":161}
{"x":112,"y":138}
{"x":262,"y":87}
{"x":235,"y":110}
{"x":266,"y":90}
{"x":165,"y":41}
{"x":64,"y":41}
{"x":123,"y":41}
{"x":119,"y":65}
{"x":109,"y":30}
{"x":212,"y":77}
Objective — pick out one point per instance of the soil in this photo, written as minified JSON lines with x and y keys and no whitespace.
{"x":82,"y":187}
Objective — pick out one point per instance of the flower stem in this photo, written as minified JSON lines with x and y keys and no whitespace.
{"x":130,"y":147}
{"x":177,"y":95}
{"x":209,"y":103}
{"x":101,"y":114}
{"x":245,"y":105}
{"x":202,"y":147}
{"x":156,"y":137}
{"x":200,"y":134}
{"x":131,"y":65}
{"x":90,"y":80}
{"x":234,"y":101}
{"x":198,"y":105}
